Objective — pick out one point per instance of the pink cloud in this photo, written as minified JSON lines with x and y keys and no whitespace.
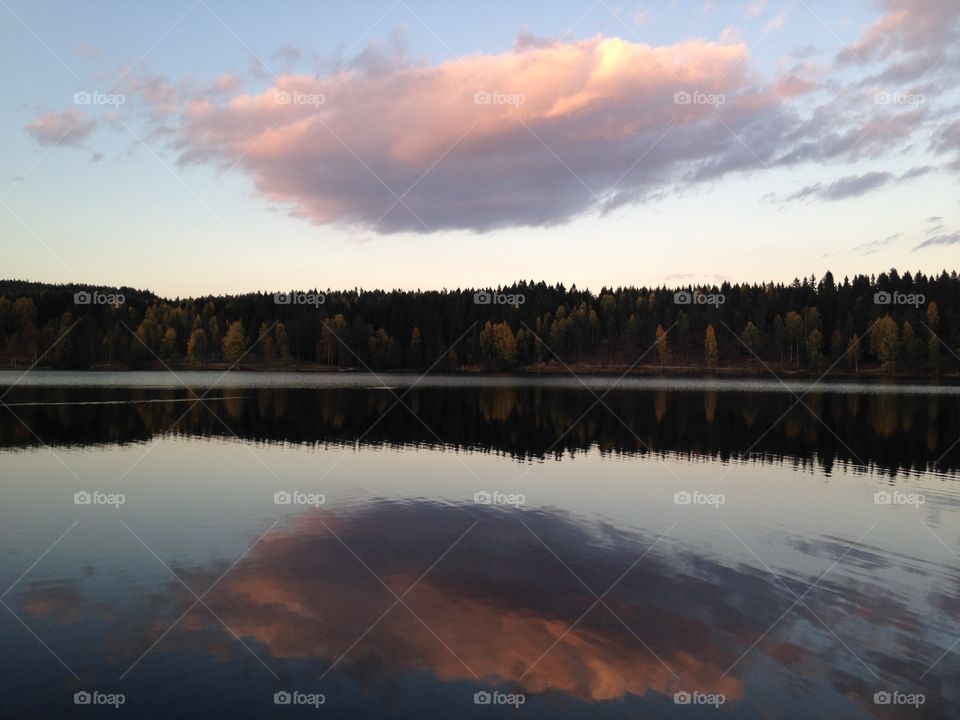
{"x":533,"y":136}
{"x":158,"y":92}
{"x":66,"y":128}
{"x":907,"y":26}
{"x":91,"y":52}
{"x":777,"y":23}
{"x":226,"y":83}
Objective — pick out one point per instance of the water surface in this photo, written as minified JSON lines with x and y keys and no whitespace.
{"x":794,"y":591}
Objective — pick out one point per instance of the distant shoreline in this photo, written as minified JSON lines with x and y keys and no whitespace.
{"x":579,"y":369}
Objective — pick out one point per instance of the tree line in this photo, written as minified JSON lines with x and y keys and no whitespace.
{"x":889,"y":323}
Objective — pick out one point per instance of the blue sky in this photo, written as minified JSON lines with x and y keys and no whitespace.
{"x":834,"y":144}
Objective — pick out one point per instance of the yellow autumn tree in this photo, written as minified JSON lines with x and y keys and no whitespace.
{"x":710,"y":347}
{"x":663,"y":349}
{"x":234,"y":342}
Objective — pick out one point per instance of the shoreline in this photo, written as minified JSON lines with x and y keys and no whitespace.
{"x":575,"y":369}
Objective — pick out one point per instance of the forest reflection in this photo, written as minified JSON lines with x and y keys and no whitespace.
{"x":883,"y":430}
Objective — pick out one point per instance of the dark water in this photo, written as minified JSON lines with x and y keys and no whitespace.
{"x":815,"y":566}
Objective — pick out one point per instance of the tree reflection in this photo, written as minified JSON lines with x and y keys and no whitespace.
{"x":890,"y":431}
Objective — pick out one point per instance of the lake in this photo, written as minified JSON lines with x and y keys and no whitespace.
{"x":348,"y":545}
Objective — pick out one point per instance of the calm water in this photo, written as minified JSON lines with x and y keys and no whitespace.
{"x":815,"y":565}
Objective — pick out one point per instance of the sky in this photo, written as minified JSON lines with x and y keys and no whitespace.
{"x":203,"y":147}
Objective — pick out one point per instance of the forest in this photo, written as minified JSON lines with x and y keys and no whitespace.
{"x":891,"y":324}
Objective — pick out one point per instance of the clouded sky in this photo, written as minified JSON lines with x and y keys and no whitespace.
{"x":206,"y":146}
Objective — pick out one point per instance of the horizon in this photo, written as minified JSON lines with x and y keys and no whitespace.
{"x":801,"y":280}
